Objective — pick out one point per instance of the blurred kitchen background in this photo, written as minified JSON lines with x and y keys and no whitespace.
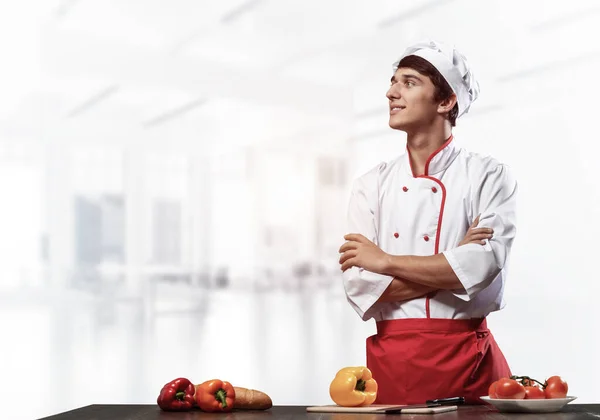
{"x":174,"y":178}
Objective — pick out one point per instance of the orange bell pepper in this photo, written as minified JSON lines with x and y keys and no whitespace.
{"x":215,"y":396}
{"x":353,"y":387}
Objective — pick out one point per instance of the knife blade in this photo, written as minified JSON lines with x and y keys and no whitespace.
{"x":447,"y":401}
{"x":429,"y":403}
{"x":399,"y":408}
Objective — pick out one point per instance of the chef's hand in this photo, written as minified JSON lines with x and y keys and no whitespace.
{"x":358,"y":251}
{"x":476,"y":235}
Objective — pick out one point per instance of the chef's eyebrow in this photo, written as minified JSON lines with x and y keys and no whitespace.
{"x":405,"y":76}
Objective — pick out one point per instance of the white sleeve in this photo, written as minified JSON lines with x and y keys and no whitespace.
{"x":475,"y":265}
{"x":363,"y":287}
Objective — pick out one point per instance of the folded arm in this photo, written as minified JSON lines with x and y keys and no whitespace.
{"x":466,"y":269}
{"x":401,"y":290}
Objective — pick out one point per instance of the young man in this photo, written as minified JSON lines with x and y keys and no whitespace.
{"x":431,"y":233}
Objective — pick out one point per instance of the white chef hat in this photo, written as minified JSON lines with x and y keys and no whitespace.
{"x":452,"y":65}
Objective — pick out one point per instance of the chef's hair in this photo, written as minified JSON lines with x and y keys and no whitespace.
{"x":442,"y":89}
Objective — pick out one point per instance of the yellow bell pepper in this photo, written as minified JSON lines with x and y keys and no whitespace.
{"x":353,"y":387}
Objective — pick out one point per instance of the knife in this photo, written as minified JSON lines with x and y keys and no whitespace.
{"x":429,"y":403}
{"x":447,"y":401}
{"x":399,"y":408}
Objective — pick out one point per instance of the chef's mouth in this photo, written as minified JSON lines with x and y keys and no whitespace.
{"x":396,"y":109}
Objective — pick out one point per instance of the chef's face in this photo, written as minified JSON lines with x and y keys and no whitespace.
{"x":412,"y":100}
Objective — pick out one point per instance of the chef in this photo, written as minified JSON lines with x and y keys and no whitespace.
{"x":429,"y":241}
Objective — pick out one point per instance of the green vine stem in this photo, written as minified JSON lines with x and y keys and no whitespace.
{"x":523,"y":378}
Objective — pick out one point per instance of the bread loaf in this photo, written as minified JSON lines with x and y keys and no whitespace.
{"x":251,"y":399}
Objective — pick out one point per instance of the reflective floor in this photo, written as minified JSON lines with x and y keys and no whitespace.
{"x":63,"y":350}
{"x":72,"y":349}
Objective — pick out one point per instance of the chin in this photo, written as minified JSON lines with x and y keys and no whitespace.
{"x":398,"y":125}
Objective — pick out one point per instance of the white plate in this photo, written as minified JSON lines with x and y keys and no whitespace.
{"x":529,"y":406}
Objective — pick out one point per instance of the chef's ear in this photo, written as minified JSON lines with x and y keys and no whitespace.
{"x":447,"y":104}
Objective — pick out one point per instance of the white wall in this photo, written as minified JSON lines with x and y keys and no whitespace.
{"x":231,"y":118}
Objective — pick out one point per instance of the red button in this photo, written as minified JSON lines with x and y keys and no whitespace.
{"x":434,"y":189}
{"x":396,"y":235}
{"x":426,"y":238}
{"x":404,"y":189}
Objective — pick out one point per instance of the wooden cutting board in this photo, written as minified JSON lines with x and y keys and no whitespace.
{"x":381,"y":409}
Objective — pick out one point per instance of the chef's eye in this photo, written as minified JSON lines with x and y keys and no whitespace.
{"x":409,"y":83}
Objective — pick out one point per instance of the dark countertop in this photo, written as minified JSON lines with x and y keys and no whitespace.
{"x":151,"y":412}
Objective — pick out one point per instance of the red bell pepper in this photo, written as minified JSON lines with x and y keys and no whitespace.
{"x":215,"y":395}
{"x":177,"y":395}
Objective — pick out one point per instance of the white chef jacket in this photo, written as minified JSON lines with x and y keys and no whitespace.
{"x":429,"y":214}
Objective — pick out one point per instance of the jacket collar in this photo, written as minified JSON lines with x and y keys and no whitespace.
{"x":439,"y":160}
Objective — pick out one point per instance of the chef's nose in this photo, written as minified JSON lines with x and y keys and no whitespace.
{"x":393,"y":93}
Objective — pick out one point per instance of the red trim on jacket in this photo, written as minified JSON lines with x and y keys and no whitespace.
{"x":439,"y":226}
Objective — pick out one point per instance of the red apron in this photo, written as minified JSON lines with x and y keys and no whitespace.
{"x":414,"y":360}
